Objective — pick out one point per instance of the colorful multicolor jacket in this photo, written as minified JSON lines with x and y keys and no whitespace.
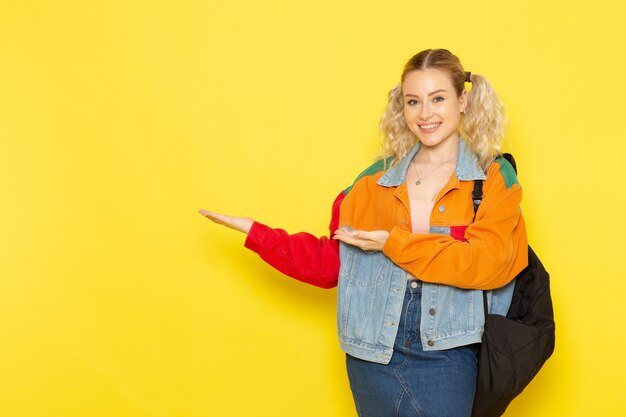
{"x":465,"y":255}
{"x":315,"y":260}
{"x":457,"y":253}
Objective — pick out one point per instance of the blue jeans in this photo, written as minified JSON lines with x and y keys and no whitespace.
{"x":415,"y":383}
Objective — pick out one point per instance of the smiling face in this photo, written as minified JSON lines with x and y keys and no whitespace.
{"x":432,"y":109}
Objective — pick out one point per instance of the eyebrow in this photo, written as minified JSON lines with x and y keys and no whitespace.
{"x":430,"y":94}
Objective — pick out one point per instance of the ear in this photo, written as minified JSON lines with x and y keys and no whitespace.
{"x":463,"y":100}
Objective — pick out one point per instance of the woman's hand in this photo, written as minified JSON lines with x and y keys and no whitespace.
{"x":243,"y":224}
{"x":366,"y":240}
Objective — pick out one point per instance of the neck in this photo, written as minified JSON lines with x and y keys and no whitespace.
{"x":440,"y":153}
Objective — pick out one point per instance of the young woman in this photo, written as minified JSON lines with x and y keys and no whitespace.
{"x":407,"y":251}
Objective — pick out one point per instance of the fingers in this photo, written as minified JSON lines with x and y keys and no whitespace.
{"x":365,"y":245}
{"x":354,"y":238}
{"x":214,"y":217}
{"x":342,"y":232}
{"x":358,"y":234}
{"x":366,"y":240}
{"x":222,"y":219}
{"x":242,"y":224}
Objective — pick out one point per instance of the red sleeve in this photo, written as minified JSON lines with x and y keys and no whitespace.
{"x":302,"y":256}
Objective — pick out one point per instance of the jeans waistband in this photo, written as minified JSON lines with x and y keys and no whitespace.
{"x":413,"y":285}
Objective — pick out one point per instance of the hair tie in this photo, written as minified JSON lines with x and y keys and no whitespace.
{"x":468,"y":77}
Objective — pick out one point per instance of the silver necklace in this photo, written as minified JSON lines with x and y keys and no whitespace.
{"x":419,"y":179}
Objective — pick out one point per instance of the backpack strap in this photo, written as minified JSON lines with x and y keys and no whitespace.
{"x":477,"y":194}
{"x":477,"y":197}
{"x":511,"y":160}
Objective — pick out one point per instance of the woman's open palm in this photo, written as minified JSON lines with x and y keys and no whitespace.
{"x":243,"y":224}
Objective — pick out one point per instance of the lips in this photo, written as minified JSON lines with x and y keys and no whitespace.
{"x":430,"y":127}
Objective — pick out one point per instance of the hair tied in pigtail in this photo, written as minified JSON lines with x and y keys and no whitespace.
{"x":468,"y":77}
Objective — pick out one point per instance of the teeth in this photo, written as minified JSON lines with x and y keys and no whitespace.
{"x":430,"y":126}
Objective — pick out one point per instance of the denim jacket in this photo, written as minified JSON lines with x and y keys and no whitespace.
{"x":371,"y":290}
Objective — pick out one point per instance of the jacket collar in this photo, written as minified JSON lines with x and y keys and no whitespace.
{"x":467,"y":166}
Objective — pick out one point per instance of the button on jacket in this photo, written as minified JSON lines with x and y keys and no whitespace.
{"x":456,"y":259}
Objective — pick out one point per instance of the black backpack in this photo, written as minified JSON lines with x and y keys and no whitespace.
{"x":514,"y":347}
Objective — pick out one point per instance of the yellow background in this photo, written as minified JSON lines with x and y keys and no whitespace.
{"x":119,"y":120}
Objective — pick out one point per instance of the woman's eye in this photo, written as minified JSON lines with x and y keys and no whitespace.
{"x":412,"y":102}
{"x":438,"y":99}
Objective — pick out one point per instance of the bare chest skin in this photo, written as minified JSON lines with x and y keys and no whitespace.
{"x":432,"y":179}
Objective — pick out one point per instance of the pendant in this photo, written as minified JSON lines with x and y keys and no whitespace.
{"x":418,"y":182}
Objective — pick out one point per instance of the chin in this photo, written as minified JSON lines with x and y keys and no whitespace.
{"x":432,"y":141}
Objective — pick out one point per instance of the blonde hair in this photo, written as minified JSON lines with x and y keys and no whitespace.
{"x":482,"y":125}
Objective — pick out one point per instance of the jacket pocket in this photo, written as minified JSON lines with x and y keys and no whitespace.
{"x":361,"y":268}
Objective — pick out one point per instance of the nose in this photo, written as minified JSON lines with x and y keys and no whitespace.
{"x":425,"y":111}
